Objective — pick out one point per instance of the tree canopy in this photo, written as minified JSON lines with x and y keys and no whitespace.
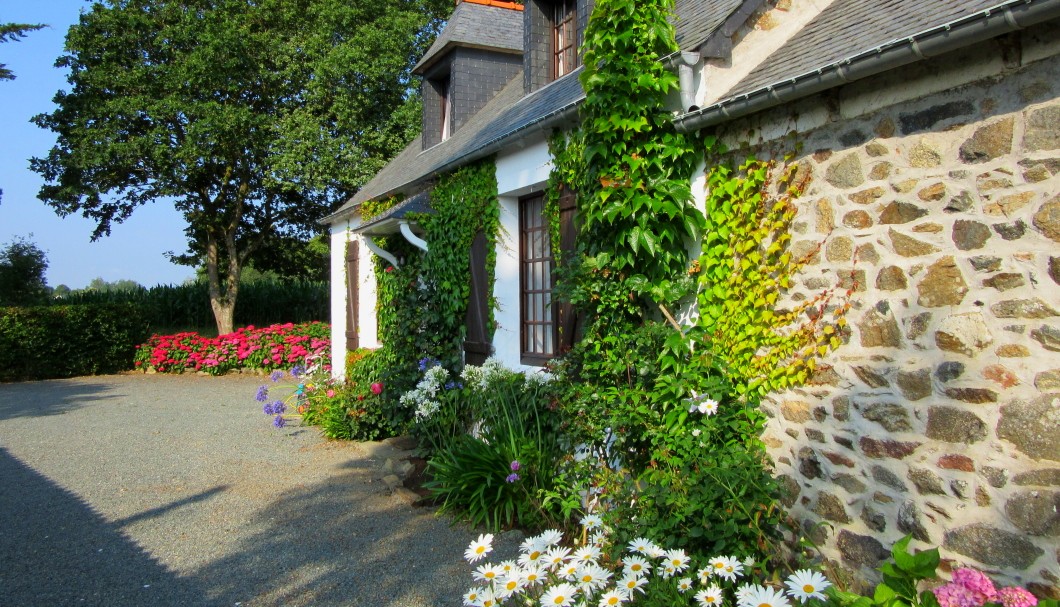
{"x":10,"y":32}
{"x":254,"y":117}
{"x":22,"y":267}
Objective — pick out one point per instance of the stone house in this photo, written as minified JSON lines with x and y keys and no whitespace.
{"x":932,"y":133}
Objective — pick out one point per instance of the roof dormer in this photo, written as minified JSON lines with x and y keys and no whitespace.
{"x":478,"y":52}
{"x":553,"y":33}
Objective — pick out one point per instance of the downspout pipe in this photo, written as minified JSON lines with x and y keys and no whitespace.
{"x":685,"y":62}
{"x":375,"y":248}
{"x":960,"y":33}
{"x":416,"y":241}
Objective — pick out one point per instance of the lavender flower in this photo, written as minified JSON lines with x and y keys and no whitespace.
{"x":297,"y":371}
{"x":267,"y":409}
{"x":263,"y":394}
{"x":279,"y":421}
{"x":511,"y":478}
{"x":276,"y":376}
{"x":515,"y":465}
{"x":278,"y":407}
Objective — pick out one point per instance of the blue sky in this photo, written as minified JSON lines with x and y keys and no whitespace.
{"x":135,"y":249}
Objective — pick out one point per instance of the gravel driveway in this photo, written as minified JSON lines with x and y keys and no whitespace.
{"x":176,"y":490}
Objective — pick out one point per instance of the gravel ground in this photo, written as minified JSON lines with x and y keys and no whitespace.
{"x":176,"y":490}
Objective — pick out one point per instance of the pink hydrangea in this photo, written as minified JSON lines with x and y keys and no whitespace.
{"x":975,"y":581}
{"x":1017,"y":597}
{"x":955,"y":595}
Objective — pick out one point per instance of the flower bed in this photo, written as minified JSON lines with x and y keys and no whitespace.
{"x":261,"y":349}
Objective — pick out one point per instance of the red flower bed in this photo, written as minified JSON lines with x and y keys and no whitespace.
{"x":264,"y":349}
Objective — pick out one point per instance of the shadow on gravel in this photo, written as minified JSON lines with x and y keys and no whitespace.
{"x":324,"y":547}
{"x":50,"y":397}
{"x":55,"y":550}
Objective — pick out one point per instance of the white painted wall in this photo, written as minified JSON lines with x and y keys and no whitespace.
{"x":341,"y":233}
{"x":520,"y":172}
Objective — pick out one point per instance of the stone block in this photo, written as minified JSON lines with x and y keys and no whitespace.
{"x":881,"y":170}
{"x":857,"y":220}
{"x":1006,"y":206}
{"x":991,"y":546}
{"x":926,"y":481}
{"x":795,"y":411}
{"x":966,"y":333}
{"x":914,"y":385}
{"x":1054,"y":269}
{"x":1042,"y":131}
{"x":1033,"y":426}
{"x":893,"y":417}
{"x":874,"y":519}
{"x":879,"y":330}
{"x":943,"y":285}
{"x":955,"y":461}
{"x":924,"y":155}
{"x":909,"y":521}
{"x":830,"y":507}
{"x":891,"y":278}
{"x":1011,"y":231}
{"x":1023,"y":308}
{"x":840,"y":248}
{"x":890,"y":479}
{"x":975,"y":396}
{"x":1005,"y":281}
{"x":1047,"y":219}
{"x":988,"y":142}
{"x":871,"y":377}
{"x":1048,"y":337}
{"x":907,"y":246}
{"x":961,"y":203}
{"x":809,"y":465}
{"x":845,"y":172}
{"x":886,"y":448}
{"x":924,"y":120}
{"x":996,"y":477}
{"x":986,"y":263}
{"x":932,"y":193}
{"x":969,"y":235}
{"x":901,"y":212}
{"x":1035,"y":512}
{"x":953,"y":425}
{"x":1046,"y":477}
{"x":868,"y":196}
{"x":949,"y":370}
{"x":1012,"y":351}
{"x":860,"y":550}
{"x":824,"y":216}
{"x":1046,"y":381}
{"x":1001,"y":375}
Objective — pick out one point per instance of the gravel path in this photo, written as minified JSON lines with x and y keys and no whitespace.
{"x":176,"y":490}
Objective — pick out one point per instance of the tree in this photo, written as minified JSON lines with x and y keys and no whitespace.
{"x":256,"y":118}
{"x":22,"y":267}
{"x":10,"y":32}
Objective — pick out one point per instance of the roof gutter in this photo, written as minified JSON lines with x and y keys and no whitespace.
{"x":959,"y":33}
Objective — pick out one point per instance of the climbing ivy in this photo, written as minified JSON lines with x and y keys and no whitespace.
{"x":745,"y":269}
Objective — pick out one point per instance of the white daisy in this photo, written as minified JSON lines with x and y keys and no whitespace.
{"x":568,"y":571}
{"x":767,"y":597}
{"x":631,"y":583}
{"x":744,"y":592}
{"x":805,"y":584}
{"x":488,"y":598}
{"x":677,"y":559}
{"x":473,"y":597}
{"x":551,"y":537}
{"x":637,"y":566}
{"x":716,"y":565}
{"x":592,"y":576}
{"x":642,"y":545}
{"x":532,"y":558}
{"x":479,"y":548}
{"x":487,"y":573}
{"x":704,"y":576}
{"x":612,"y":598}
{"x":560,"y":595}
{"x":587,"y":554}
{"x":509,"y":567}
{"x":507,"y":586}
{"x":532,"y":576}
{"x":708,"y":406}
{"x":597,"y":539}
{"x":749,"y":562}
{"x":711,"y":596}
{"x":556,"y":556}
{"x":656,"y":552}
{"x":592,"y":521}
{"x":530,"y":544}
{"x":666,"y":570}
{"x":733,"y":569}
{"x":684,"y":584}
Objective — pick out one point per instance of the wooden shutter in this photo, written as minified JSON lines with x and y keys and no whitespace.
{"x":353,"y":257}
{"x":477,"y":345}
{"x":567,"y":318}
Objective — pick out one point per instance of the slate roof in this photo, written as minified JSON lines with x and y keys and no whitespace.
{"x":848,"y":27}
{"x":386,"y":222}
{"x":477,"y":26}
{"x":844,"y":29}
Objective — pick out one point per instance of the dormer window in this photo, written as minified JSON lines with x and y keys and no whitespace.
{"x":564,"y":37}
{"x":445,"y":100}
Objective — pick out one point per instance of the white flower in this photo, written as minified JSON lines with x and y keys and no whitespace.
{"x":556,"y":556}
{"x":532,"y":576}
{"x":612,"y":598}
{"x":507,"y":586}
{"x":684,"y":584}
{"x":489,"y":599}
{"x":487,"y":573}
{"x":587,"y":554}
{"x":473,"y":597}
{"x":656,"y":552}
{"x":551,"y":537}
{"x":749,"y":562}
{"x":636,"y":565}
{"x":732,"y":569}
{"x":597,"y":539}
{"x":642,"y":545}
{"x":592,"y":521}
{"x":666,"y":571}
{"x":677,"y":559}
{"x":560,"y":595}
{"x":696,"y":432}
{"x":744,"y":593}
{"x":531,"y":544}
{"x":805,"y":584}
{"x":532,"y":559}
{"x":509,"y":567}
{"x":767,"y":597}
{"x":717,"y":565}
{"x":569,"y":570}
{"x":708,"y":406}
{"x":631,"y":583}
{"x":710,"y":597}
{"x":479,"y":548}
{"x":592,"y":576}
{"x":704,"y":576}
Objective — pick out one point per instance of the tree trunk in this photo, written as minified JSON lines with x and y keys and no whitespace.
{"x":222,"y":297}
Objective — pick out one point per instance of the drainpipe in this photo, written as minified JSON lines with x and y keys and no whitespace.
{"x":373,"y":247}
{"x":959,"y":33}
{"x":416,"y":241}
{"x":685,"y":62}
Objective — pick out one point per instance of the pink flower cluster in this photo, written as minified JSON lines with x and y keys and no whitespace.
{"x":266,"y":348}
{"x":971,"y":588}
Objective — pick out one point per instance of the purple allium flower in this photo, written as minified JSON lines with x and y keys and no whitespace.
{"x":263,"y":394}
{"x":297,"y":371}
{"x":511,"y":478}
{"x":267,"y":409}
{"x":279,"y":407}
{"x":515,"y":465}
{"x":276,"y":375}
{"x":279,"y":421}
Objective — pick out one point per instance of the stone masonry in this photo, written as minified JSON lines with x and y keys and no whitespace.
{"x":937,"y":191}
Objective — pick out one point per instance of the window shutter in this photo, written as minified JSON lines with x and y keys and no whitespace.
{"x":352,"y":283}
{"x":568,"y":319}
{"x":477,"y":345}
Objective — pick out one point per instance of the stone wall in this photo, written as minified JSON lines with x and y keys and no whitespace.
{"x":936,"y":189}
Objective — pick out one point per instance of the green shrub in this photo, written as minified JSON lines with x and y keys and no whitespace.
{"x":49,"y":342}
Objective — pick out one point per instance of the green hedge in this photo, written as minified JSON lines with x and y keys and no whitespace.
{"x":49,"y":342}
{"x":174,"y":308}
